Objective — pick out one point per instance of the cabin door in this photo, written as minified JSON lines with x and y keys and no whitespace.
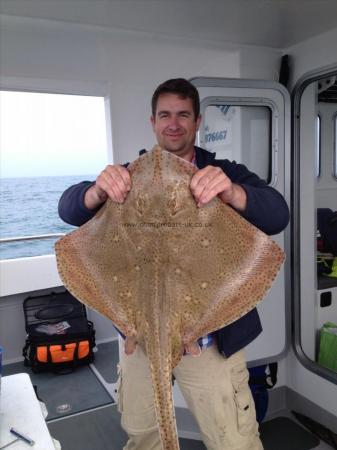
{"x":314,"y":203}
{"x":248,"y":121}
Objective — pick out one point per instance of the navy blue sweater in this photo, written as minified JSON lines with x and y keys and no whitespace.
{"x":266,"y":209}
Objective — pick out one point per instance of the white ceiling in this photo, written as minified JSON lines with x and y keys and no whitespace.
{"x":271,"y":23}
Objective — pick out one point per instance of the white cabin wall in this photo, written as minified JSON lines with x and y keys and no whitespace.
{"x":128,"y":64}
{"x":309,"y":55}
{"x":260,"y":63}
{"x":312,"y":54}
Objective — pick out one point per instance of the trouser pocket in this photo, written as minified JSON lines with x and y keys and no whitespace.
{"x":135,"y":401}
{"x":245,"y":409}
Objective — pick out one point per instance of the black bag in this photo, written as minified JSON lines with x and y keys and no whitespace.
{"x":59,"y":335}
{"x":261,"y":379}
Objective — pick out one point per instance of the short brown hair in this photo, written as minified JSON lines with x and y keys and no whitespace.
{"x":181,"y":87}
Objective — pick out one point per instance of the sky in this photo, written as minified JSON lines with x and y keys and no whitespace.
{"x":51,"y":134}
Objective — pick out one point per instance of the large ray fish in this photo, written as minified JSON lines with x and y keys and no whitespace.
{"x":165,"y":271}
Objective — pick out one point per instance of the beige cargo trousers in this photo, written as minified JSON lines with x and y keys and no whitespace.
{"x":215,"y":389}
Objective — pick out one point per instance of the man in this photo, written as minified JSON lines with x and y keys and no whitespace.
{"x":212,"y":375}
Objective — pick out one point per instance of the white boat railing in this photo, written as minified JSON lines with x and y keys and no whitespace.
{"x":30,"y":238}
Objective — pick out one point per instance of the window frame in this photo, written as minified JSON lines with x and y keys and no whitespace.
{"x":224,"y":101}
{"x":260,"y":102}
{"x":61,"y":87}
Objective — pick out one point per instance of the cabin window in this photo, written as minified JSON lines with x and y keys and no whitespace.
{"x":240,"y":133}
{"x":48,"y":142}
{"x":318,"y":146}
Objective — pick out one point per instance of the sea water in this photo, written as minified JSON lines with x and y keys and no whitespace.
{"x":28,"y":207}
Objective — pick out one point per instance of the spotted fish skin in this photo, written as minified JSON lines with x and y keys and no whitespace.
{"x":166,"y":272}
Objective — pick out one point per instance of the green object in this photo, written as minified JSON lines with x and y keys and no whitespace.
{"x":333,"y":272}
{"x":328,"y":346}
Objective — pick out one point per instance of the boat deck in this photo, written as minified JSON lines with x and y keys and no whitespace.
{"x":82,"y":412}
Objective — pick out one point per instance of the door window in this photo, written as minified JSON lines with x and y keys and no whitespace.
{"x":240,"y":133}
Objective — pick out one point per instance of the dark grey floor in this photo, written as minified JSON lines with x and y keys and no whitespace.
{"x":96,"y":430}
{"x":106,"y":359}
{"x":101,"y":430}
{"x":283,"y":433}
{"x":65,"y":394}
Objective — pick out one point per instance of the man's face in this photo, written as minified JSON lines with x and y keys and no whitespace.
{"x":175,"y":125}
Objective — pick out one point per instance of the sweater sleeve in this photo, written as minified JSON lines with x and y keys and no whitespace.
{"x":266,"y":207}
{"x":71,"y":206}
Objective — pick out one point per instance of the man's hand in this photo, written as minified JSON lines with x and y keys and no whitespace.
{"x":114,"y":182}
{"x":211,"y":181}
{"x":192,"y":349}
{"x":130,"y":344}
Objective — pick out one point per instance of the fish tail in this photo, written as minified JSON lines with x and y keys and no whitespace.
{"x":161,"y":371}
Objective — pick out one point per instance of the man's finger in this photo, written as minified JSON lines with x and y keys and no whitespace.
{"x":198,"y":176}
{"x":130,"y":345}
{"x":108,"y":185}
{"x":116,"y":175}
{"x":115,"y":181}
{"x":214,"y":188}
{"x":209,"y":185}
{"x":193,"y":349}
{"x":125,"y":175}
